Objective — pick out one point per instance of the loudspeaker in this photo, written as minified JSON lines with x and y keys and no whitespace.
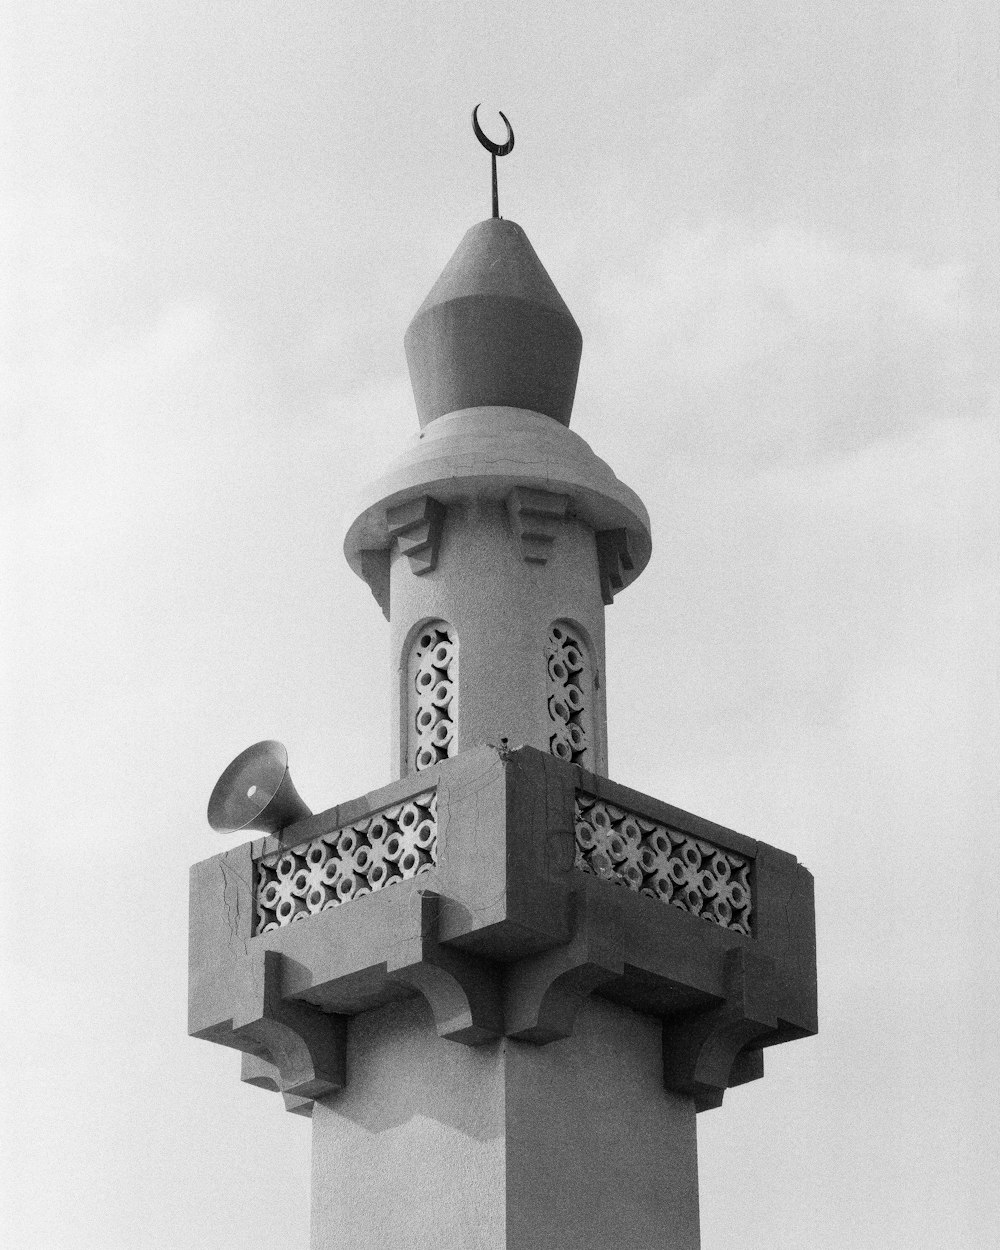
{"x":256,"y":792}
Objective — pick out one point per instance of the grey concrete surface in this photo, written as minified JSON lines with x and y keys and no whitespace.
{"x":509,"y":1146}
{"x":494,"y":330}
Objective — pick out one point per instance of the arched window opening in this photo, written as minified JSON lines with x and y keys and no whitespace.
{"x":570,"y":696}
{"x":432,"y":687}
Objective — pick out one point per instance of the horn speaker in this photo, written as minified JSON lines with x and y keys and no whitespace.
{"x":256,"y":792}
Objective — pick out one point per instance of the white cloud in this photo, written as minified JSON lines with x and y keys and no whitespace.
{"x":779,"y":344}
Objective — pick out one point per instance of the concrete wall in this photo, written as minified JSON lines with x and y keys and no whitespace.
{"x":599,"y":1155}
{"x":508,"y":1146}
{"x":411,"y":1153}
{"x":502,"y":608}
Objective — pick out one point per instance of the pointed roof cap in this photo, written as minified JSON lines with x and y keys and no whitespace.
{"x":493,"y":331}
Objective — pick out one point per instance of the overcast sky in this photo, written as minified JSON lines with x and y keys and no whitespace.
{"x":776,"y":225}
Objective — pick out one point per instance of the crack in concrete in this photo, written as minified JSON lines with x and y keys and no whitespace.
{"x":231,"y":908}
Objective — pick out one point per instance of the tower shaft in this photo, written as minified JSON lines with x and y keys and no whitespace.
{"x":572,"y":1146}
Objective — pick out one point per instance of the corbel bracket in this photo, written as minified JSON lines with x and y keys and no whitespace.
{"x":375,"y":571}
{"x":614,"y":553}
{"x":305,"y":1046}
{"x":702,"y":1050}
{"x":543,"y":994}
{"x":463,"y":992}
{"x":262,"y":1074}
{"x":417,"y":525}
{"x":534,"y":517}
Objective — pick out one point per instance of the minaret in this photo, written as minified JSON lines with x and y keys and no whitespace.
{"x":495,"y":540}
{"x":503,"y":985}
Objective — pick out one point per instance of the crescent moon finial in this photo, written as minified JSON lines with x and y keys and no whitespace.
{"x":498,"y":149}
{"x":494,"y":149}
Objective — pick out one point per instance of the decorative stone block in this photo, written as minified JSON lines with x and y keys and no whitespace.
{"x":651,"y":858}
{"x":614,"y":554}
{"x":503,"y":935}
{"x":417,"y":525}
{"x":395,"y":844}
{"x":535,"y":516}
{"x":374,"y":568}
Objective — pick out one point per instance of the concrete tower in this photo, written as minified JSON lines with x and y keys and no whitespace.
{"x":503,"y":985}
{"x":498,"y":536}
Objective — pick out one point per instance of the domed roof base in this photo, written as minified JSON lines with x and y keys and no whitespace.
{"x":494,"y":331}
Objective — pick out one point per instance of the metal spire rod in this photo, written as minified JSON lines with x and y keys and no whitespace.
{"x":494,"y":149}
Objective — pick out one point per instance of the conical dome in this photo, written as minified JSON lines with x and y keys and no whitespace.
{"x":494,"y":331}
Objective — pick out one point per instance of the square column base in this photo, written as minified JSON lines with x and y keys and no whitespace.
{"x":509,"y":1146}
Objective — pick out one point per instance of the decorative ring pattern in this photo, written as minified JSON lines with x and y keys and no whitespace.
{"x":664,"y":863}
{"x":432,"y":671}
{"x":393,"y":845}
{"x":569,"y":684}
